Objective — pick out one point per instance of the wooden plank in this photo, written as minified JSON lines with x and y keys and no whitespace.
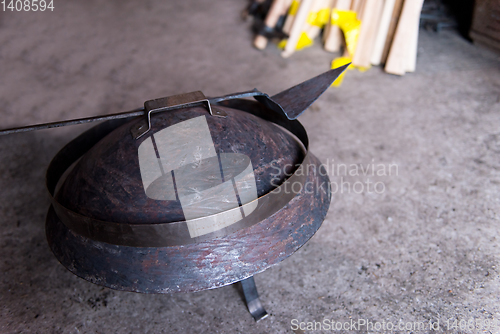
{"x":397,"y":62}
{"x":411,"y":64}
{"x":486,"y":24}
{"x":396,"y":13}
{"x":333,"y":35}
{"x":383,"y":29}
{"x":313,"y":31}
{"x":289,"y":20}
{"x":369,"y":20}
{"x":485,"y":41}
{"x":296,"y":31}
{"x":357,"y":6}
{"x":334,"y":45}
{"x":486,"y":19}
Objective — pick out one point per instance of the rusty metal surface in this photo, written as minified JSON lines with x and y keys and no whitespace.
{"x":109,"y":182}
{"x":206,"y":265}
{"x":105,"y":191}
{"x":176,"y":232}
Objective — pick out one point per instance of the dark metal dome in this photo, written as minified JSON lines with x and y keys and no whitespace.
{"x":108,"y":177}
{"x":106,"y":188}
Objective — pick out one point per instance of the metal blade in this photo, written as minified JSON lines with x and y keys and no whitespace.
{"x":135,"y":112}
{"x":294,"y":101}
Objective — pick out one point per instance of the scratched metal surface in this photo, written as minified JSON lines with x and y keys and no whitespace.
{"x":427,"y":248}
{"x":106,"y":184}
{"x":205,"y":265}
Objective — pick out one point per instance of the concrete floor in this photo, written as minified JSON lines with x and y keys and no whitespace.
{"x":425,"y":249}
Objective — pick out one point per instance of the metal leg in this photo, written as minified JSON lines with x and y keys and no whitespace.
{"x":252,"y":299}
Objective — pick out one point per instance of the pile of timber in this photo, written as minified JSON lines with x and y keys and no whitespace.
{"x":388,"y":30}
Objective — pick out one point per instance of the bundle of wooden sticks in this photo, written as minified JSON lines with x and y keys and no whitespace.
{"x":373,"y":32}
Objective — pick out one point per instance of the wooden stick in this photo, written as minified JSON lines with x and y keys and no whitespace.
{"x":357,"y":6}
{"x":397,"y":62}
{"x":313,"y":31}
{"x":333,"y":35}
{"x":333,"y":46}
{"x":361,"y":8}
{"x":412,"y":48}
{"x":366,"y":39}
{"x":296,"y":30}
{"x":276,"y":10}
{"x":383,"y":28}
{"x":396,"y":13}
{"x":289,"y":21}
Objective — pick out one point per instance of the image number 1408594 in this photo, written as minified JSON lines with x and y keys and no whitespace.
{"x":27,"y":5}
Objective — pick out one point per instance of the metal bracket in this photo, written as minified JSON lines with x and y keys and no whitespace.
{"x":252,"y":299}
{"x":170,"y":103}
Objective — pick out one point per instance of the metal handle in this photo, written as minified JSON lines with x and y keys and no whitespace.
{"x":170,"y":103}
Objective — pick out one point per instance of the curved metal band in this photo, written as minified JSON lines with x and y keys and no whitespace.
{"x":171,"y":233}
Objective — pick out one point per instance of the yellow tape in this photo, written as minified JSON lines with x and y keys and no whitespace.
{"x":350,"y":26}
{"x":341,"y":61}
{"x":319,"y":18}
{"x":294,"y":7}
{"x":348,"y":22}
{"x":337,"y":62}
{"x":304,"y":41}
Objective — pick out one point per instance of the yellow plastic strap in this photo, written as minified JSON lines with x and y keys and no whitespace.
{"x":350,"y":26}
{"x":319,"y":18}
{"x":304,"y":41}
{"x":294,"y":7}
{"x":348,"y":22}
{"x":341,"y":61}
{"x":337,"y":62}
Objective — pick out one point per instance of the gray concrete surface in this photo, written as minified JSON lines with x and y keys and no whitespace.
{"x":424,"y":249}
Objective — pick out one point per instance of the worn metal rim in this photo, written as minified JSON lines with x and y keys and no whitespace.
{"x":205,"y":265}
